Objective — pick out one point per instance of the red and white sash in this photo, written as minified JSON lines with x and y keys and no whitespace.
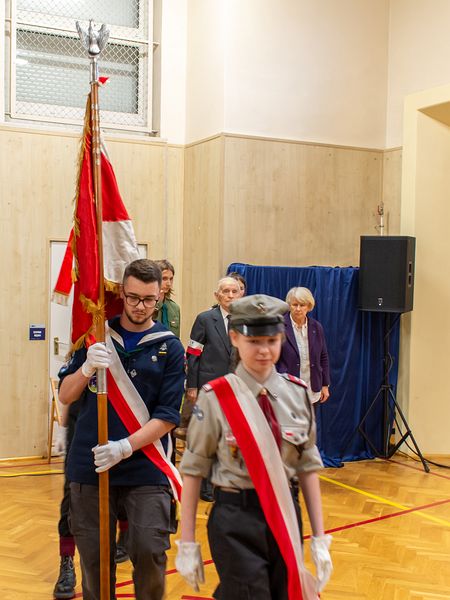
{"x":265,"y":467}
{"x":132,"y":411}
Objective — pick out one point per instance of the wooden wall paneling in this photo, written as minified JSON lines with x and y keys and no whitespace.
{"x":203,"y":227}
{"x":38,"y":177}
{"x":140,"y":172}
{"x":289,"y":203}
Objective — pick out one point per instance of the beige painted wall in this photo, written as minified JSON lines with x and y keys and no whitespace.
{"x":418,"y":50}
{"x":307,"y":70}
{"x":392,"y":186}
{"x":425,"y":213}
{"x":37,"y":176}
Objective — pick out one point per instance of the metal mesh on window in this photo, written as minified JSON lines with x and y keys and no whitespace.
{"x":51,"y":75}
{"x":125,"y":18}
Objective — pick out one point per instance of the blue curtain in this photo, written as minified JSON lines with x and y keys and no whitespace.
{"x":356,"y":348}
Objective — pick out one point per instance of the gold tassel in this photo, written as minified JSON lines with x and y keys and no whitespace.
{"x":112,"y":286}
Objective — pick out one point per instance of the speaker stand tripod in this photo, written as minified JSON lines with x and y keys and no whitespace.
{"x":387,"y":396}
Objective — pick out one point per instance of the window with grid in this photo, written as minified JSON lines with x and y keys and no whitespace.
{"x":49,"y":75}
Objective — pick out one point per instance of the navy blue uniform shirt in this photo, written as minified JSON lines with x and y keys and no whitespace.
{"x":155,"y":367}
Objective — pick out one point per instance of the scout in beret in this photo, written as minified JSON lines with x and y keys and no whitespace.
{"x":252,"y":432}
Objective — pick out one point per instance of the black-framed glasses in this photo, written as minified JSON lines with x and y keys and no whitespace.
{"x":134,"y":301}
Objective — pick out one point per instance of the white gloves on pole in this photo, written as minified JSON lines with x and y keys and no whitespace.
{"x":189,"y":563}
{"x":320,"y":553}
{"x":98,"y":357}
{"x":110,"y":454}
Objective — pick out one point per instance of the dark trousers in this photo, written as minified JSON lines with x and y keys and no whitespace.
{"x":247,"y":558}
{"x":63,"y":524}
{"x":150,"y":513}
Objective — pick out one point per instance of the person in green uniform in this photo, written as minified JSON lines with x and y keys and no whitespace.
{"x":167,"y":310}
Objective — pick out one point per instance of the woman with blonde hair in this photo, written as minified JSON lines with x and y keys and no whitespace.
{"x":304,"y":353}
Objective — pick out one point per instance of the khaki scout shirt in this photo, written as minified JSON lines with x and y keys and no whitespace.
{"x":211,"y":445}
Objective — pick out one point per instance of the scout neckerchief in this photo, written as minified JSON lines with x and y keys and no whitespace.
{"x":132,"y":411}
{"x":266,"y":470}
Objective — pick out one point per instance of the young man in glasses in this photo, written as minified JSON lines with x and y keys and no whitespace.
{"x":146,"y":362}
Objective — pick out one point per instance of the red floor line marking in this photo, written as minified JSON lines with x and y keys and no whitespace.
{"x":80,"y":595}
{"x":168,"y":572}
{"x":418,"y":469}
{"x":383,"y":517}
{"x":205,"y":562}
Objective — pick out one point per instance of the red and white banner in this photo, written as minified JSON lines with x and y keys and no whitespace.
{"x":80,"y":263}
{"x":265,"y":467}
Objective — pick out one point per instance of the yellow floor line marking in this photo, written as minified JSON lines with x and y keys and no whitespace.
{"x":31,"y":473}
{"x":386,"y":501}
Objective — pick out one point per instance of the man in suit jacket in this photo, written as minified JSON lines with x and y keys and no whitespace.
{"x":209,"y":348}
{"x":209,"y":352}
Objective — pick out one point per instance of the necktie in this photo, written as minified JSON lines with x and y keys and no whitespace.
{"x":266,"y":407}
{"x":227,"y":322}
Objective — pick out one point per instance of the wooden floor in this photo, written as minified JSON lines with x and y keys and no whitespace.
{"x":390,"y":523}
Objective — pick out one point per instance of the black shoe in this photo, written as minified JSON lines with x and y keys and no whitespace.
{"x":65,"y":586}
{"x":206,"y":497}
{"x":121,"y":548}
{"x":206,"y":491}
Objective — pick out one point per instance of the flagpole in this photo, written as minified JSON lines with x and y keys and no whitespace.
{"x":94,"y":42}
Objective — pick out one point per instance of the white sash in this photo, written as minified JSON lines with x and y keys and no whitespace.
{"x":138,"y":408}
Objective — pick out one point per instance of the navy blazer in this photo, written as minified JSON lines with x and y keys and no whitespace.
{"x":214,"y":360}
{"x":289,"y":361}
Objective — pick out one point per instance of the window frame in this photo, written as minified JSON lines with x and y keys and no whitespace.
{"x":134,"y":37}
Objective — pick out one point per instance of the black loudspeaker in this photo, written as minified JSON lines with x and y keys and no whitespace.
{"x":386,"y":273}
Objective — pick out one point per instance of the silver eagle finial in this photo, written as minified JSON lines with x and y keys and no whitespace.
{"x":94,"y":41}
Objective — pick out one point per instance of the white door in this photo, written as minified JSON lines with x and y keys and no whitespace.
{"x":59,"y":327}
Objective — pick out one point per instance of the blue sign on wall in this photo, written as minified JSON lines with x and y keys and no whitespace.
{"x":37,"y":332}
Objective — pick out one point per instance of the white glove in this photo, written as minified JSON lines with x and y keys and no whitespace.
{"x":189,"y":563}
{"x":98,"y":356}
{"x":320,"y":552}
{"x":108,"y":455}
